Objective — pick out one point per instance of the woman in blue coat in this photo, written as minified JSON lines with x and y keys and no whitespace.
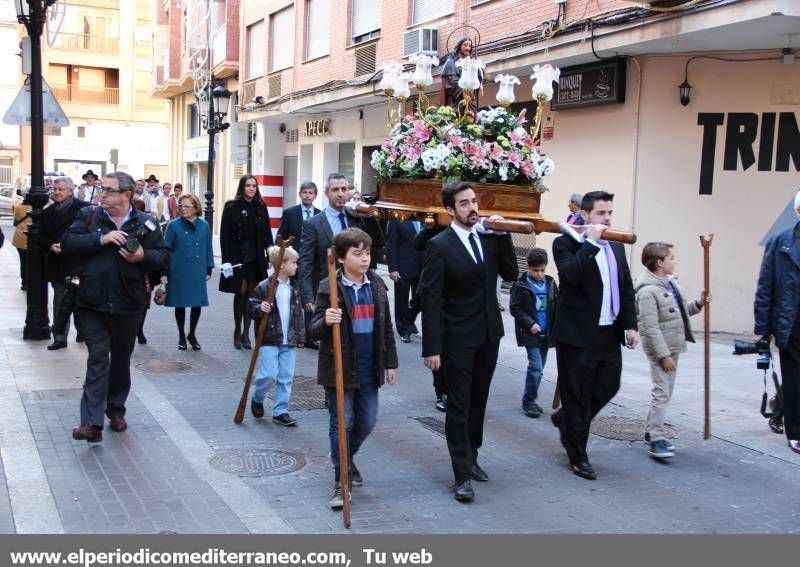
{"x":191,"y":262}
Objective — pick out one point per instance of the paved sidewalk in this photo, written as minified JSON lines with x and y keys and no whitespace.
{"x":165,"y":474}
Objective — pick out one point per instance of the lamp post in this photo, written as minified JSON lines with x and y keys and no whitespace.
{"x":32,"y":14}
{"x":213,"y":106}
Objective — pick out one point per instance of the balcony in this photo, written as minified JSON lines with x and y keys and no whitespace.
{"x":84,"y":42}
{"x":219,"y":46}
{"x":85,"y":95}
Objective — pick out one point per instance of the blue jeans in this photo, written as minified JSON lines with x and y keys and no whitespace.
{"x":361,"y":413}
{"x":275,"y":364}
{"x":537,"y":358}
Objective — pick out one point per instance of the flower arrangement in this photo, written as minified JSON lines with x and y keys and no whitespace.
{"x":494,"y":149}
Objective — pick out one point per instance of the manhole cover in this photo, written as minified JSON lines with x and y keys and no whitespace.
{"x":256,"y":462}
{"x":431,"y":424}
{"x":625,"y":429}
{"x":67,"y":394}
{"x":306,"y":394}
{"x":166,"y":366}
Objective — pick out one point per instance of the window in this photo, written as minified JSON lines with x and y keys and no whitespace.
{"x":318,"y":27}
{"x":347,"y":159}
{"x":194,"y":121}
{"x":255,"y":50}
{"x":81,"y":131}
{"x":429,"y":9}
{"x":6,"y":171}
{"x":281,"y":37}
{"x":366,"y":19}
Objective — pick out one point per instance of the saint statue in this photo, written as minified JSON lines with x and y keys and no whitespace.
{"x":453,"y":94}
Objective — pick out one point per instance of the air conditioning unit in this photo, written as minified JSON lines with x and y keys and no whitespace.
{"x":421,"y":40}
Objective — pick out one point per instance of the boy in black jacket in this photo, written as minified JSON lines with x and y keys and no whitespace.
{"x":533,"y":303}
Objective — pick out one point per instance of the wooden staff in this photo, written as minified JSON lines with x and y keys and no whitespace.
{"x":705,"y":242}
{"x":344,"y":460}
{"x":262,"y":329}
{"x":556,"y":397}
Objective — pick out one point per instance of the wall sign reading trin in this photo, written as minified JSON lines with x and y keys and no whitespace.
{"x":588,"y":85}
{"x":317,"y":127}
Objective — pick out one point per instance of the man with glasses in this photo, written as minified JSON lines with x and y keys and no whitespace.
{"x":118,"y":246}
{"x":54,"y":221}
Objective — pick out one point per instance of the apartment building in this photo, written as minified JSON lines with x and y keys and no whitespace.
{"x":97,"y":60}
{"x":10,"y":165}
{"x":725,"y":162}
{"x":212,"y":25}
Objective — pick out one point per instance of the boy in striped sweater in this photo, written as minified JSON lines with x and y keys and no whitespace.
{"x":369,"y":355}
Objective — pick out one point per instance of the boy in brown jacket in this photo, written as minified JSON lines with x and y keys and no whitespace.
{"x":368,"y":348}
{"x":664,"y":329}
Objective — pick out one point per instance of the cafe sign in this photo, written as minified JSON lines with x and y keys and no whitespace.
{"x":588,"y":85}
{"x":317,"y":127}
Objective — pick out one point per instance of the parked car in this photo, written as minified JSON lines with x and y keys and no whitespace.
{"x":8,"y":198}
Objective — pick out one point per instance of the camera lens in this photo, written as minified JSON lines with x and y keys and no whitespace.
{"x":132,"y":245}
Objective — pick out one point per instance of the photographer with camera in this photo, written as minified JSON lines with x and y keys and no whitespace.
{"x":118,"y":246}
{"x":776,"y":307}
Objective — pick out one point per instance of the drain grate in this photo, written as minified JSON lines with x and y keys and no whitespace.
{"x":625,"y":429}
{"x":166,"y":367}
{"x":306,"y":394}
{"x":431,"y":424}
{"x":66,"y":394}
{"x":256,"y":462}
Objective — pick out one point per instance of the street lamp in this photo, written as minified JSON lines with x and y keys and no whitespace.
{"x":32,"y":14}
{"x":212,"y":103}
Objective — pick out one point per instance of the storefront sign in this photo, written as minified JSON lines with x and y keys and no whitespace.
{"x":740,"y":133}
{"x":317,"y":128}
{"x":588,"y":85}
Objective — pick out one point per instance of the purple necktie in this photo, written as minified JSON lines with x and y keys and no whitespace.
{"x":613,"y":274}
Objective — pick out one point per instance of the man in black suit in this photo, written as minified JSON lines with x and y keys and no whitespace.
{"x":317,"y":236}
{"x":461,"y":323}
{"x":405,"y":264}
{"x":596,"y":314}
{"x":56,"y":219}
{"x":293,"y":217}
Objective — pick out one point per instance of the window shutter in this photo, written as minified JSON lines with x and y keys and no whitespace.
{"x":429,"y":9}
{"x":318,"y":28}
{"x":366,"y":16}
{"x":255,"y":50}
{"x":282,"y":42}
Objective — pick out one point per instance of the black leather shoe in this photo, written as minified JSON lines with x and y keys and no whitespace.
{"x":441,"y":403}
{"x":463,"y":491}
{"x":141,"y":338}
{"x":118,"y":424}
{"x":257,"y":408}
{"x":314,"y":345}
{"x":584,"y":470}
{"x":194,"y":343}
{"x":246,"y":343}
{"x":237,"y":340}
{"x":478,"y":473}
{"x":182,"y":344}
{"x":405,"y":338}
{"x":57,"y":345}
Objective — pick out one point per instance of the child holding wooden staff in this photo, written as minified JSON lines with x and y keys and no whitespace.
{"x":368,"y":347}
{"x":664,"y":329}
{"x":285,"y":331}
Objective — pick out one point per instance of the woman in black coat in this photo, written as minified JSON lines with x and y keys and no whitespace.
{"x":245,"y":234}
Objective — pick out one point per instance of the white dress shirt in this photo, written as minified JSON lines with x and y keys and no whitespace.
{"x":606,"y":311}
{"x":464,"y":236}
{"x":283,"y":300}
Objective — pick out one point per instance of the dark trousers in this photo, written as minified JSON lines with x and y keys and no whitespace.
{"x":110,"y":340}
{"x":63,"y":308}
{"x":468,"y":373}
{"x":588,"y":377}
{"x":439,"y":383}
{"x":404,"y":314}
{"x":23,"y":274}
{"x":790,"y":377}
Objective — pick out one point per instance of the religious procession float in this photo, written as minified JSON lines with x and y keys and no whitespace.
{"x":494,"y":149}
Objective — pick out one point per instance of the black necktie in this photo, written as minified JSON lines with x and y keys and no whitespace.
{"x":682,"y":308}
{"x":475,"y":250}
{"x":342,"y":221}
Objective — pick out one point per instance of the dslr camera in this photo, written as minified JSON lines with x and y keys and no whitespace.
{"x":132,"y":243}
{"x":761,"y":348}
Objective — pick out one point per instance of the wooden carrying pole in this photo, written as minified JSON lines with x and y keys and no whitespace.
{"x":344,"y":460}
{"x":705,"y":242}
{"x":262,"y":329}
